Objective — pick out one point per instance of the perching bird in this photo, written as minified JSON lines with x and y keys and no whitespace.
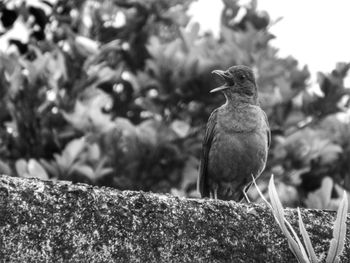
{"x":237,"y":138}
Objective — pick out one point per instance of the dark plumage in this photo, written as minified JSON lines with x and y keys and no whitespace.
{"x":237,"y":138}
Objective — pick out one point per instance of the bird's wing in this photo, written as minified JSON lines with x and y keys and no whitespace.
{"x":268,"y":130}
{"x":203,"y":170}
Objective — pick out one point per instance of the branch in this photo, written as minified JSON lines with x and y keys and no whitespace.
{"x":45,"y":221}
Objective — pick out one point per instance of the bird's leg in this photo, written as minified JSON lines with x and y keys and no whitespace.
{"x":214,"y":193}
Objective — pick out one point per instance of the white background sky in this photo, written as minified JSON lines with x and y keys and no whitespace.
{"x":315,"y":32}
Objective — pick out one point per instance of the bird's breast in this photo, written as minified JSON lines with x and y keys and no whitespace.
{"x":238,"y":155}
{"x":240,"y":145}
{"x":244,"y":119}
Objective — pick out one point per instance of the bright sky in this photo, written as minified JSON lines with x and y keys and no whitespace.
{"x":315,"y":32}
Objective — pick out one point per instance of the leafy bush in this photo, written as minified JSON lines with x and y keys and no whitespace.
{"x":116,"y":93}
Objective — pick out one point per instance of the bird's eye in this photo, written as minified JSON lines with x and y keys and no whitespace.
{"x":241,"y":77}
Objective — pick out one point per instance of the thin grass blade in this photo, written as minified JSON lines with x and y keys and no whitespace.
{"x":278,"y":211}
{"x":260,"y":193}
{"x":339,"y":232}
{"x":307,"y":241}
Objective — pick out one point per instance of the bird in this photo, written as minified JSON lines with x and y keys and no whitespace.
{"x":237,"y":138}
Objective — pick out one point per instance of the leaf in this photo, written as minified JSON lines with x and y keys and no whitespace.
{"x":21,"y":167}
{"x":51,"y":168}
{"x":277,"y":209}
{"x":181,"y":128}
{"x":74,"y":148}
{"x":320,"y":199}
{"x":177,"y":14}
{"x":288,"y":194}
{"x":37,"y":67}
{"x":260,"y":193}
{"x":306,"y":238}
{"x":154,"y":131}
{"x":63,"y":163}
{"x":301,"y":256}
{"x":275,"y":202}
{"x":55,"y":67}
{"x":190,"y":36}
{"x":333,"y":92}
{"x":84,"y":170}
{"x":99,"y":120}
{"x":106,"y":74}
{"x":285,"y":89}
{"x":5,"y":168}
{"x":101,"y":170}
{"x":30,"y":169}
{"x":35,"y":170}
{"x":16,"y":79}
{"x":88,"y":114}
{"x":79,"y":117}
{"x":296,"y":246}
{"x":86,"y":45}
{"x":339,"y":232}
{"x":154,"y":46}
{"x":330,"y":153}
{"x":189,"y":172}
{"x":94,"y":152}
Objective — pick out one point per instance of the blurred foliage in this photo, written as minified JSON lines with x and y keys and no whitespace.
{"x":115,"y":93}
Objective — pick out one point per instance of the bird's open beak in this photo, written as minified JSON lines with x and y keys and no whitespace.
{"x":223,"y":87}
{"x":223,"y":75}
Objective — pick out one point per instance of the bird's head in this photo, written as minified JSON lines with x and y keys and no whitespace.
{"x":239,"y":84}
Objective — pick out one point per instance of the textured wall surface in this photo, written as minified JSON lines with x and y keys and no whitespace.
{"x":44,"y":221}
